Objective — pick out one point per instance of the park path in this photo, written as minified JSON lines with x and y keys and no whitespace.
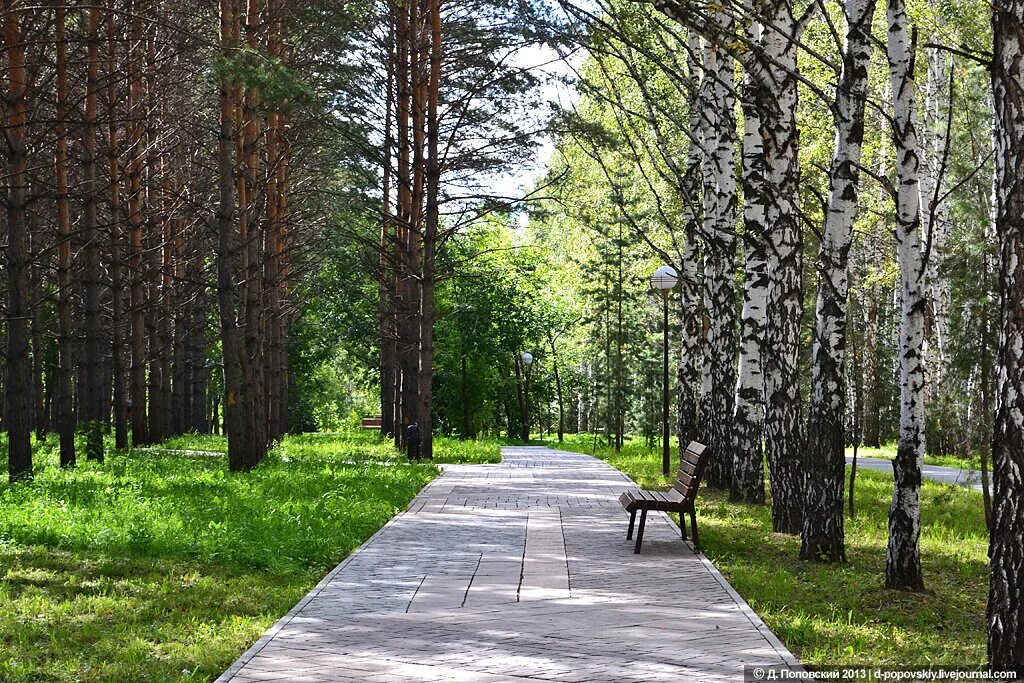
{"x":944,"y":475}
{"x":517,"y":572}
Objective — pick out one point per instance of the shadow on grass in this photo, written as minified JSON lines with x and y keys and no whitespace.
{"x":843,"y":614}
{"x":75,"y":615}
{"x":165,"y":568}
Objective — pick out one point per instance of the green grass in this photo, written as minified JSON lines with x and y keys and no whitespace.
{"x":195,"y":442}
{"x":838,"y":615}
{"x":356,"y":446}
{"x":473,"y":451}
{"x":159,"y":567}
{"x":887,"y":451}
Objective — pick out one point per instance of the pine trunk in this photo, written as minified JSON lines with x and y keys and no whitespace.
{"x":234,"y":399}
{"x":385,"y":275}
{"x":137,"y":301}
{"x":433,"y":185}
{"x":116,"y":224}
{"x":95,"y":400}
{"x":18,"y":384}
{"x":65,"y":331}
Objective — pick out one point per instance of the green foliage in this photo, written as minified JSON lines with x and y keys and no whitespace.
{"x":280,"y":87}
{"x":160,"y":566}
{"x":842,"y":614}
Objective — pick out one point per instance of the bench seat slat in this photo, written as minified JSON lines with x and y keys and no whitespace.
{"x":691,"y":458}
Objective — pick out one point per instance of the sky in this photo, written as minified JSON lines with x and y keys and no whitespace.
{"x":552,"y":70}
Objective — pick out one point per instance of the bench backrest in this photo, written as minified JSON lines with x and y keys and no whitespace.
{"x":691,"y":469}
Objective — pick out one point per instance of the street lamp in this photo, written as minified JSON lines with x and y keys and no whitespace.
{"x":527,"y":359}
{"x":663,"y":280}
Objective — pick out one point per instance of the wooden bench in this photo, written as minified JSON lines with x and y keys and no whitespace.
{"x":679,"y":498}
{"x":372,"y":422}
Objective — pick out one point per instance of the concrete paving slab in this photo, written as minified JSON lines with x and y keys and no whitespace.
{"x":517,"y":572}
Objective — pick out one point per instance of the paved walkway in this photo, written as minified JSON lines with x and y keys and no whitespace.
{"x":517,"y":572}
{"x":944,"y":475}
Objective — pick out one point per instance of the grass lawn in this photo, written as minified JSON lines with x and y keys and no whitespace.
{"x":837,"y":615}
{"x":159,"y":566}
{"x":887,"y":451}
{"x":353,"y":446}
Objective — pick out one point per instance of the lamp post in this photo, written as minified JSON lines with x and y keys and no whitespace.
{"x":663,"y":280}
{"x":527,"y":359}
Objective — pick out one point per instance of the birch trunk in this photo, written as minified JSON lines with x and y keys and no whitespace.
{"x":748,"y":416}
{"x":781,"y":354}
{"x":823,"y":533}
{"x":690,"y":297}
{"x":935,"y":210}
{"x":1006,"y":549}
{"x":719,"y":202}
{"x":870,"y":355}
{"x":903,"y":557}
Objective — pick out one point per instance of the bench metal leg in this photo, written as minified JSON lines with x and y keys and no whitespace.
{"x":693,"y":523}
{"x":632,"y":521}
{"x":682,"y":524}
{"x":640,"y":531}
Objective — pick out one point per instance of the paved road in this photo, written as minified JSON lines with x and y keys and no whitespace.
{"x":517,"y":572}
{"x":944,"y":475}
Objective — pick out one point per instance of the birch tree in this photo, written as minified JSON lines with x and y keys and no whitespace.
{"x":822,"y":536}
{"x":748,"y":418}
{"x":935,"y":209}
{"x":903,"y":556}
{"x":777,"y":102}
{"x":690,"y":298}
{"x":719,"y":204}
{"x":1006,"y":549}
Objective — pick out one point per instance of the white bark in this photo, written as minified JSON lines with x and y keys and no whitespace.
{"x":934,"y":209}
{"x":903,"y":558}
{"x":690,"y":297}
{"x":719,"y":201}
{"x":777,"y":105}
{"x":823,"y":533}
{"x":748,"y":415}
